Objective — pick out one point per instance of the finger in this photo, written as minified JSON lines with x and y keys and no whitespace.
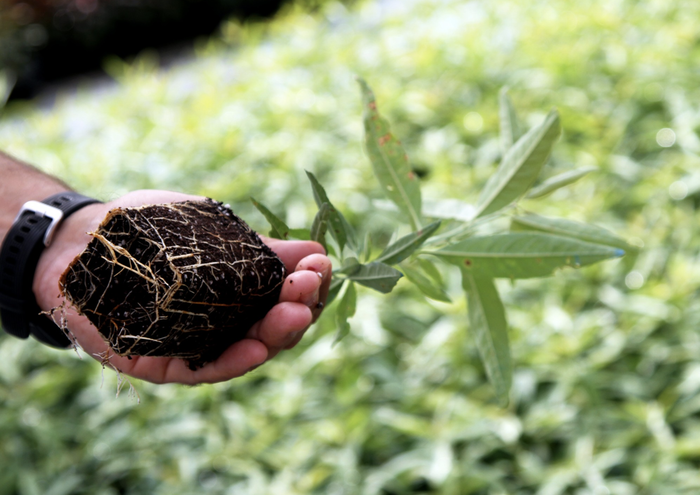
{"x":292,"y":252}
{"x":238,"y":359}
{"x":278,"y":328}
{"x":320,"y":264}
{"x":303,"y":287}
{"x":294,"y":339}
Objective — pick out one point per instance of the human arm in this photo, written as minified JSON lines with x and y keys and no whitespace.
{"x":281,"y":328}
{"x":19,"y":183}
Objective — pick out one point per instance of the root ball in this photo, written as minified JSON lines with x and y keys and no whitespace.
{"x":182,"y":280}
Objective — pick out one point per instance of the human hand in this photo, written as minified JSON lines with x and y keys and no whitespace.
{"x":281,"y":328}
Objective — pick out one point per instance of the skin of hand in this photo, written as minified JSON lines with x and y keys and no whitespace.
{"x":303,"y":295}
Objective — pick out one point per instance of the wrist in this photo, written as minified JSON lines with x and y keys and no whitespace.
{"x":69,"y":240}
{"x":23,"y":246}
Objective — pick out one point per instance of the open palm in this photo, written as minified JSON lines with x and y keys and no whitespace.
{"x":282,"y":327}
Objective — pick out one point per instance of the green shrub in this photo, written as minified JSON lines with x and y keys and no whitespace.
{"x":605,"y":382}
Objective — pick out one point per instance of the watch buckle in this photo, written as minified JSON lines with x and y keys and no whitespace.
{"x":45,"y":211}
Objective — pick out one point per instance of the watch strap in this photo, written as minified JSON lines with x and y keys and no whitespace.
{"x":30,"y":233}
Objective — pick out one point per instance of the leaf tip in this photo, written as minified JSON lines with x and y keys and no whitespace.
{"x":554,"y":114}
{"x":367,"y":93}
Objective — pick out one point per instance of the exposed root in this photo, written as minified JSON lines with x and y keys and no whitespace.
{"x":122,"y":379}
{"x":62,"y":323}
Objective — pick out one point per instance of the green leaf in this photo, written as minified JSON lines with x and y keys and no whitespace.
{"x":523,"y":255}
{"x":404,"y":247}
{"x":389,"y":161}
{"x":301,"y":234}
{"x":320,"y":225}
{"x":520,"y":166}
{"x":350,"y":265}
{"x":279,"y":228}
{"x":487,"y":322}
{"x":431,"y":270}
{"x":366,"y":247}
{"x":559,"y":181}
{"x":334,"y":289}
{"x":344,"y":311}
{"x":377,"y":276}
{"x":340,"y":228}
{"x":568,"y":228}
{"x":7,"y":82}
{"x":425,"y":285}
{"x":510,"y":124}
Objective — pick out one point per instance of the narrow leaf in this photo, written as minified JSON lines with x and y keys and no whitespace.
{"x":320,"y":225}
{"x":510,"y":124}
{"x":340,"y":229}
{"x":350,"y":265}
{"x":366,"y":247}
{"x":431,"y":270}
{"x":404,"y":247}
{"x":520,"y":166}
{"x":425,"y":285}
{"x":377,"y":276}
{"x":301,"y":234}
{"x":487,"y":322}
{"x":523,"y":255}
{"x":559,"y":181}
{"x":334,"y":289}
{"x":568,"y":228}
{"x":7,"y":82}
{"x":279,"y":228}
{"x":389,"y":161}
{"x":344,"y":311}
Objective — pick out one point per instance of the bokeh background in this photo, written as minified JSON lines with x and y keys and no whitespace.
{"x":606,"y":395}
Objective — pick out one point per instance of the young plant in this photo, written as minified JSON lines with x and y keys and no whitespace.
{"x":532,"y":246}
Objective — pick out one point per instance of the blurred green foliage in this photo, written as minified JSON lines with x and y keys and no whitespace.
{"x":606,"y":389}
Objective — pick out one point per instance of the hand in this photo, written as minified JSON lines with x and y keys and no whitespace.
{"x":300,"y":304}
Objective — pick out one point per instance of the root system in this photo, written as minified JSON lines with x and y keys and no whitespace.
{"x":182,"y":280}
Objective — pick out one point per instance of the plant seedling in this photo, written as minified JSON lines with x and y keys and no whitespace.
{"x":533,"y":246}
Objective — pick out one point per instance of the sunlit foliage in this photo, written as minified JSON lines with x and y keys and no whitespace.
{"x":606,"y":384}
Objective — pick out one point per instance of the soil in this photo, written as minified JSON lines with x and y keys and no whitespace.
{"x":182,"y":280}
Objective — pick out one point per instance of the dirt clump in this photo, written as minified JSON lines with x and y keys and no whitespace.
{"x":182,"y":280}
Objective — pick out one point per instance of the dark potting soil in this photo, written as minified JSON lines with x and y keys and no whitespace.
{"x":182,"y":280}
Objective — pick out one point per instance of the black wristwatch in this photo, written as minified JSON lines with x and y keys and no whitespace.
{"x":30,"y":233}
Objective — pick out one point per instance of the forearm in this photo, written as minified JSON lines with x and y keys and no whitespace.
{"x":20,"y":183}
